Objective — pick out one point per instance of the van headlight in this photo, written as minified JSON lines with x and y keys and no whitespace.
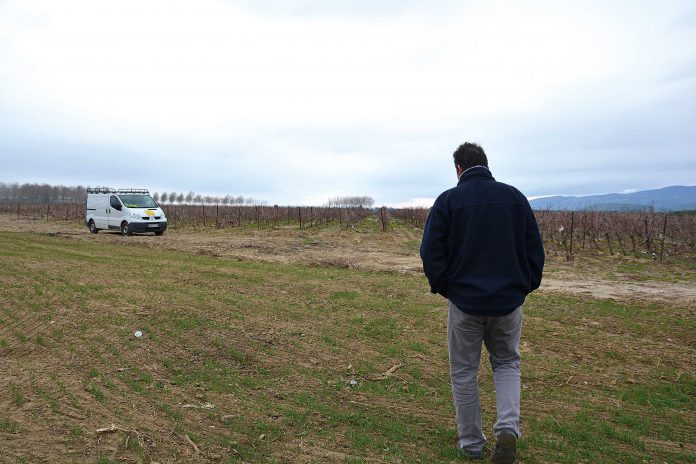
{"x":134,"y":215}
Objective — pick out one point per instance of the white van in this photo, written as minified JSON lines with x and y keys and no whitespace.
{"x":127,"y":210}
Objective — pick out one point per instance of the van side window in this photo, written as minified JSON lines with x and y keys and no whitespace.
{"x":114,"y":202}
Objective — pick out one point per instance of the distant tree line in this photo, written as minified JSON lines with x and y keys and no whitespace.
{"x":193,"y":198}
{"x":41,"y":193}
{"x":46,"y":194}
{"x":351,"y":202}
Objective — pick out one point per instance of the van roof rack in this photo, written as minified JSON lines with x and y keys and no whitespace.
{"x":100,"y":190}
{"x":145,"y":191}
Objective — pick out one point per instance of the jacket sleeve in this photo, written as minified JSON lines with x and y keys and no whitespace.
{"x":535,"y":250}
{"x":433,"y":249}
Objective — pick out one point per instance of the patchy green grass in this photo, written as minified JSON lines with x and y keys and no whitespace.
{"x":8,"y":426}
{"x":253,"y":362}
{"x":17,"y":396}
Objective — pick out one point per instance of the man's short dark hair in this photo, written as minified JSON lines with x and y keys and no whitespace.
{"x":469,"y":155}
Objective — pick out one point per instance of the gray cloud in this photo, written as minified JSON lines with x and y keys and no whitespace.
{"x":380,"y":119}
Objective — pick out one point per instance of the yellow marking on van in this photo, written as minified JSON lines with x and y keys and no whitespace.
{"x":149,"y":213}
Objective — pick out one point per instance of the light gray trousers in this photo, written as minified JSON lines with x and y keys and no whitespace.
{"x":502,"y":338}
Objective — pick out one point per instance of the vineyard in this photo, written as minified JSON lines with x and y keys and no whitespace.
{"x":565,"y":233}
{"x":651,"y":234}
{"x":646,"y":234}
{"x":218,"y":216}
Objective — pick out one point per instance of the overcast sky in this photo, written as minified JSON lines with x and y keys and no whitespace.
{"x":297,"y":101}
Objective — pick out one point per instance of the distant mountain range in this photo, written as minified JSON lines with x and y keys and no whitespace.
{"x":676,"y":198}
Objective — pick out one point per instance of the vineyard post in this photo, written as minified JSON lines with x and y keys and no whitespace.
{"x":299,"y":213}
{"x":340,"y":222}
{"x":572,"y":226}
{"x":275,"y":216}
{"x":48,"y":208}
{"x":647,"y":236}
{"x":203,"y":215}
{"x":618,"y":237}
{"x":258,"y":217}
{"x":311,"y":216}
{"x":17,"y":210}
{"x":217,"y":214}
{"x":67,"y":212}
{"x":664,"y":233}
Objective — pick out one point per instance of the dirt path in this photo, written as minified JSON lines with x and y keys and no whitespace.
{"x":619,"y":290}
{"x":397,"y":252}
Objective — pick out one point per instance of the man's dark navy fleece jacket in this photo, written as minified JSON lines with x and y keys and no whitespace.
{"x":481,"y":246}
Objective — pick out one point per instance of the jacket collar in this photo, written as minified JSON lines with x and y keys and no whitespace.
{"x":476,"y":172}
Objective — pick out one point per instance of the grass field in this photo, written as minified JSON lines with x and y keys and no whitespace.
{"x":244,"y":361}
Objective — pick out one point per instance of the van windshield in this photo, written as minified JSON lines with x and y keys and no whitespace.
{"x":138,"y":201}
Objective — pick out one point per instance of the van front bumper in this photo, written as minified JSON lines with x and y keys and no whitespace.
{"x":139,"y":227}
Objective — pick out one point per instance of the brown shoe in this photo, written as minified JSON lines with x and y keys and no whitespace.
{"x":505,"y":449}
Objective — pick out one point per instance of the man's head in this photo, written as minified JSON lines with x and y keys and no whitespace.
{"x":469,"y":155}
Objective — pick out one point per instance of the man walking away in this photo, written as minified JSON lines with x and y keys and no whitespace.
{"x":483,"y":252}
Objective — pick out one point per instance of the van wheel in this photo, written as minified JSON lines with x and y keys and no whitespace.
{"x":125,"y":230}
{"x":92,"y":227}
{"x":159,"y":232}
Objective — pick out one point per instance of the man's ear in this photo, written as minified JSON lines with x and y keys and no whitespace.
{"x":459,"y":170}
